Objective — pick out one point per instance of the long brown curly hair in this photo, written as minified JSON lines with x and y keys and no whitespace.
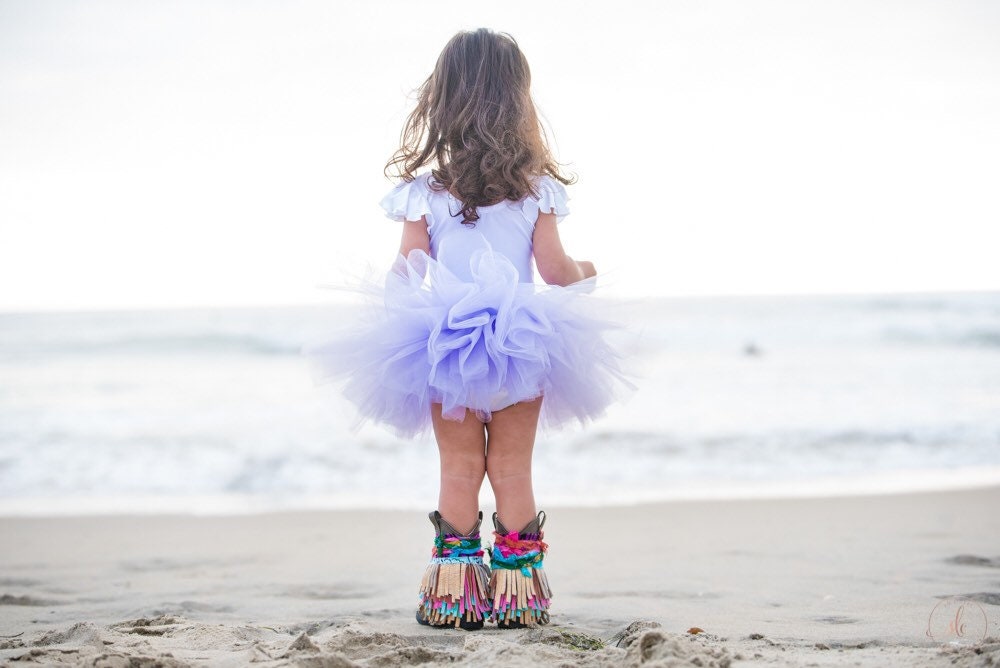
{"x":475,"y":120}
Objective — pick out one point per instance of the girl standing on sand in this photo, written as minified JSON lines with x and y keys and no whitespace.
{"x":465,"y":342}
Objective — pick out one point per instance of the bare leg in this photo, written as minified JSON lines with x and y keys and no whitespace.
{"x":462,"y":447}
{"x":508,"y":461}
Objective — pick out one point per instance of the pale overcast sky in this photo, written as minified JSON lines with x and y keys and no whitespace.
{"x":210,"y":153}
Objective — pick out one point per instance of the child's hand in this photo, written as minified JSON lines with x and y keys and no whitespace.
{"x":587,"y":267}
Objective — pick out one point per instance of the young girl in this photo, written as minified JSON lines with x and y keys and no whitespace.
{"x":465,"y":342}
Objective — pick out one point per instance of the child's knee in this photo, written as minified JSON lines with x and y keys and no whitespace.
{"x":472,"y":466}
{"x":500,"y":467}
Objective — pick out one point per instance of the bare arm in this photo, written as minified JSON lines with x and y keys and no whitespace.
{"x":415,"y":236}
{"x":554,"y":265}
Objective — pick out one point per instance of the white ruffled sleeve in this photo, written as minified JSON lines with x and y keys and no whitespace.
{"x":552,"y":199}
{"x":407,"y":201}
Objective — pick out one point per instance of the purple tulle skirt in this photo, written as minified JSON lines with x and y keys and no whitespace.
{"x":429,"y":337}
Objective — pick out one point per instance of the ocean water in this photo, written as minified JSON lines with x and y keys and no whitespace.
{"x":214,"y":410}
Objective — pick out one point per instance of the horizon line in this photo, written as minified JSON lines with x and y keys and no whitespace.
{"x":4,"y":311}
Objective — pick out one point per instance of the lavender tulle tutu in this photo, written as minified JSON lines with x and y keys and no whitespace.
{"x":483,"y":345}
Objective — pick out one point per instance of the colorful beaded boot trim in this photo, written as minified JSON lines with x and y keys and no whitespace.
{"x":518,"y":584}
{"x":454,"y":590}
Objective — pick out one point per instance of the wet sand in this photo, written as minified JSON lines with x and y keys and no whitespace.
{"x":838,"y":581}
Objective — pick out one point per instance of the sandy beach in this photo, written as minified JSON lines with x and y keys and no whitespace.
{"x":809,"y":582}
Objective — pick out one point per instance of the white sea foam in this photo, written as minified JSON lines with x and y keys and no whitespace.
{"x":213,"y":409}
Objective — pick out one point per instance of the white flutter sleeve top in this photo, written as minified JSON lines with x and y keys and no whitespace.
{"x":506,"y":227}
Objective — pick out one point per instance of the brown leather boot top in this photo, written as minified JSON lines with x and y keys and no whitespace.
{"x":445,"y":528}
{"x":533,"y":527}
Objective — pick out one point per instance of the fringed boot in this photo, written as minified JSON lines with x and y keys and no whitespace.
{"x":454,"y":590}
{"x":518,"y":584}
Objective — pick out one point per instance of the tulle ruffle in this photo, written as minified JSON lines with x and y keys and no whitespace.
{"x":482,"y":344}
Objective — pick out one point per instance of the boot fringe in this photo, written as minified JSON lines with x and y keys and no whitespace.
{"x":455,"y":589}
{"x":518,"y":583}
{"x":518,"y":598}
